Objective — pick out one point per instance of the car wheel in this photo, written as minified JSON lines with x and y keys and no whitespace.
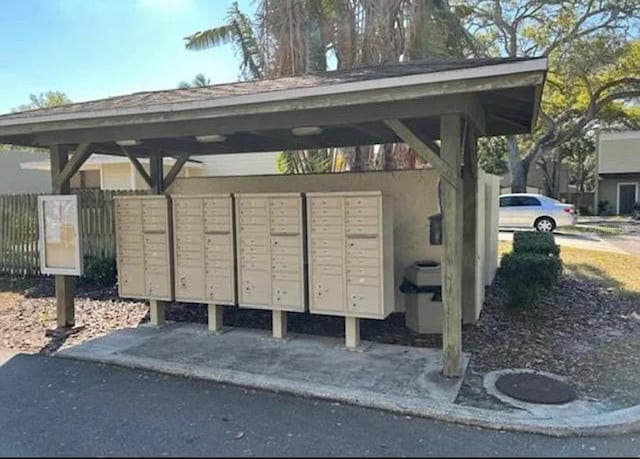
{"x":545,"y":224}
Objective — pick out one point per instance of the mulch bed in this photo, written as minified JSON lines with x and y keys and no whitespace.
{"x":28,"y":315}
{"x":580,"y":330}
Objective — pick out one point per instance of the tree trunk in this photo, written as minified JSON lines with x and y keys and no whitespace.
{"x":518,"y":168}
{"x":360,"y":160}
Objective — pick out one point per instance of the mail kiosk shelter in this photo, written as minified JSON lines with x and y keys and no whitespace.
{"x":438,"y":108}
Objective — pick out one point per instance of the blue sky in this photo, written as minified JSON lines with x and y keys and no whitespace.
{"x":91,"y":49}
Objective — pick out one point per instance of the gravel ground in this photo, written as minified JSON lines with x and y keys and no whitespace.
{"x":580,"y":330}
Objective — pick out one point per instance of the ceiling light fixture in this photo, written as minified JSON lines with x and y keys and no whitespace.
{"x":211,"y":138}
{"x":127,"y":143}
{"x":306,"y":130}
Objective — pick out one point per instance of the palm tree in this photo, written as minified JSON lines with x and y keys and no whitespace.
{"x":291,"y":37}
{"x":238,"y":30}
{"x":199,"y":81}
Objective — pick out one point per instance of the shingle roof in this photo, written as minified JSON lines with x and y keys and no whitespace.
{"x":150,"y":98}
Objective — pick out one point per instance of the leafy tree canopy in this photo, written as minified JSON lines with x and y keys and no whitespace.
{"x":44,"y":100}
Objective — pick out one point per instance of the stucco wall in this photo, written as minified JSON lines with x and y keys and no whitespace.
{"x":413,"y":194}
{"x":619,"y":152}
{"x":116,"y":177}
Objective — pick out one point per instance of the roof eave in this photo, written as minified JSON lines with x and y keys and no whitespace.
{"x":170,"y":111}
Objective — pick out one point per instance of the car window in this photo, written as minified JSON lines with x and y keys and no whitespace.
{"x":529,"y":201}
{"x":519,"y":201}
{"x":506,"y":201}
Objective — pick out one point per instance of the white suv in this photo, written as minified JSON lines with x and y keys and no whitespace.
{"x":526,"y":210}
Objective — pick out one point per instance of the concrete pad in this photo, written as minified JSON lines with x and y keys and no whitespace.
{"x":312,"y":361}
{"x":6,"y":355}
{"x":394,"y":378}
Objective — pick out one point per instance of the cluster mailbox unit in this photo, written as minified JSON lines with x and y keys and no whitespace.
{"x":351,"y":257}
{"x":250,"y":250}
{"x":270,"y":254}
{"x":205,"y":270}
{"x":144,"y":255}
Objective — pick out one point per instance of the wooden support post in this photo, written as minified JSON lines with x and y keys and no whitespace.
{"x":279,"y":324}
{"x":156,"y":173}
{"x":65,"y":307}
{"x":156,"y":313}
{"x":451,"y":148}
{"x":215,"y":315}
{"x":74,"y":164}
{"x":470,"y":274}
{"x":352,"y":332}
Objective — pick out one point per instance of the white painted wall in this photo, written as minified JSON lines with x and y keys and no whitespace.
{"x":238,"y":164}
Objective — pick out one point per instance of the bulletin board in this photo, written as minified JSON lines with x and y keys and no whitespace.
{"x":60,"y":244}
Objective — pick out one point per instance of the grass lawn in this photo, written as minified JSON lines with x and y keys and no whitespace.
{"x":609,"y":269}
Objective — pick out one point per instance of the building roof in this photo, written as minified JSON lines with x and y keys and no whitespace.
{"x":360,"y":74}
{"x":500,"y":96}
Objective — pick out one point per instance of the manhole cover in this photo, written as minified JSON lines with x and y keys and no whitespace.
{"x":535,"y":388}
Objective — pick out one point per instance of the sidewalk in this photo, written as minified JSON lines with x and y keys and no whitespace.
{"x":579,"y":241}
{"x":394,"y":378}
{"x":6,"y":354}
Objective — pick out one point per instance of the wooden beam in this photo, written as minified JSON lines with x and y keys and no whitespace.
{"x":451,"y":136}
{"x":175,"y":170}
{"x":138,"y":167}
{"x":248,"y":120}
{"x":65,"y":307}
{"x":82,"y":153}
{"x":444,"y":169}
{"x":430,"y":143}
{"x":470,"y":274}
{"x":157,"y":173}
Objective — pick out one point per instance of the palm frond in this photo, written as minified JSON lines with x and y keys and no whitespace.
{"x":210,"y":38}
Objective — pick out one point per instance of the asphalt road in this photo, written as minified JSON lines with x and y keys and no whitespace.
{"x":57,"y":407}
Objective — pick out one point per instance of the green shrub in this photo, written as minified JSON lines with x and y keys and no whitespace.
{"x":527,"y":275}
{"x":100,"y":271}
{"x":530,"y":242}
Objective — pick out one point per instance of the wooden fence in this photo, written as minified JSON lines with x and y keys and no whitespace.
{"x":19,"y":254}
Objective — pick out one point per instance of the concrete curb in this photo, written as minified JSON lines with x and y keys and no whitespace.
{"x":614,"y":423}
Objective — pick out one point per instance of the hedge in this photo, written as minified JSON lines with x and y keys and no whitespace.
{"x":532,"y":268}
{"x":530,"y":242}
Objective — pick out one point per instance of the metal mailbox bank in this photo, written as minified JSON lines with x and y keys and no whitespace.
{"x":351,"y":269}
{"x":270,"y":254}
{"x":205,"y":269}
{"x":144,"y":255}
